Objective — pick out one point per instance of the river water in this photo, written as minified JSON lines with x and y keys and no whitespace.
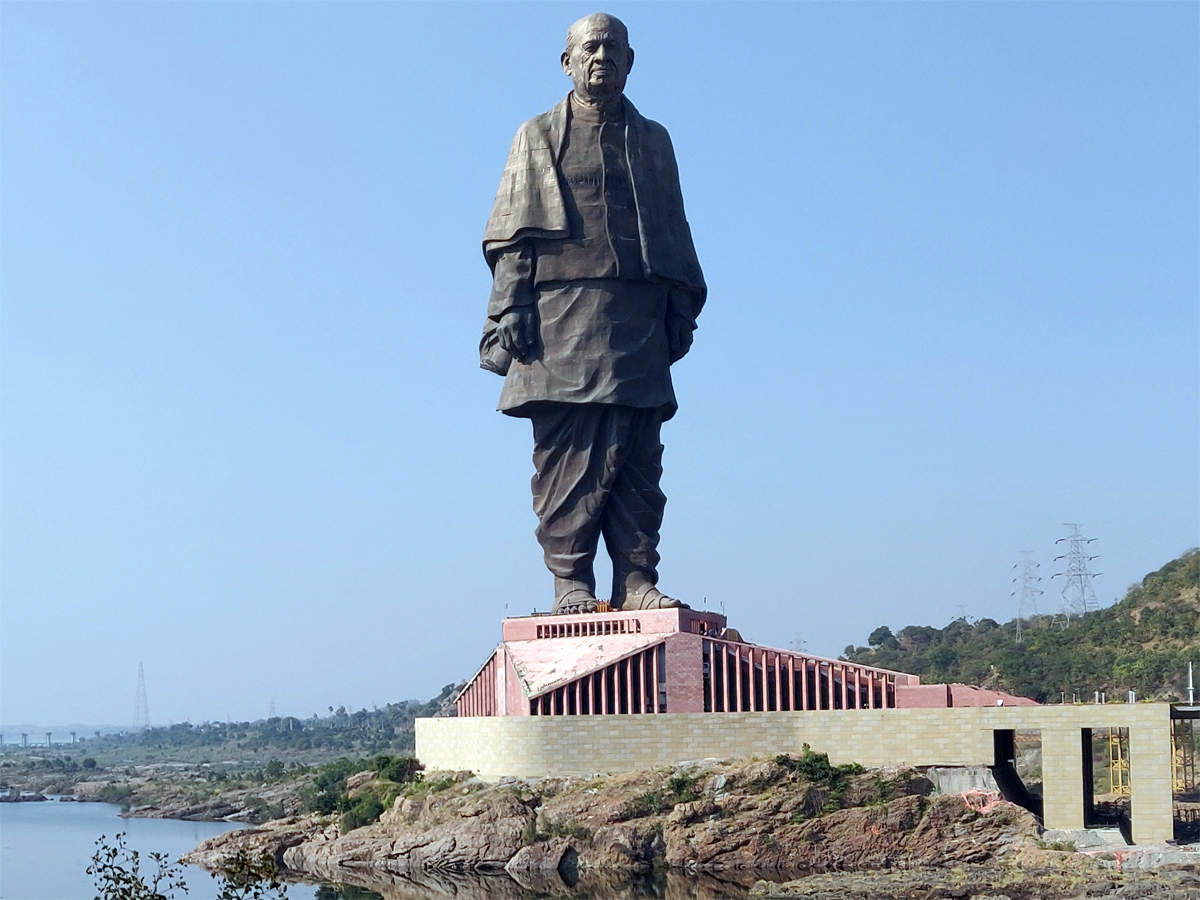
{"x":45,"y":849}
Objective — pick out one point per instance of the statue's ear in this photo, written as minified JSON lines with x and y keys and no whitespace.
{"x":565,"y":59}
{"x":630,"y":69}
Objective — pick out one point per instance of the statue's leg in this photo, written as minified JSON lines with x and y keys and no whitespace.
{"x":572,"y":477}
{"x":633,"y":514}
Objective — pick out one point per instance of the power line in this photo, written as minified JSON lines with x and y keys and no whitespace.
{"x":141,"y":708}
{"x":1027,"y":590}
{"x":1078,"y":595}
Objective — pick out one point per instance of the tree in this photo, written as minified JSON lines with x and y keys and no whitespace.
{"x":252,"y":878}
{"x":117,"y":871}
{"x":881,"y":636}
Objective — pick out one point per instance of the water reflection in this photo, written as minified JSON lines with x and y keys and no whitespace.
{"x":590,"y":886}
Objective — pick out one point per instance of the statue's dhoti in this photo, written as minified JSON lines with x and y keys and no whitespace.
{"x":598,"y":469}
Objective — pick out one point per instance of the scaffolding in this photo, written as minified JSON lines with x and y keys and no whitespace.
{"x":1118,"y":761}
{"x":1183,"y":757}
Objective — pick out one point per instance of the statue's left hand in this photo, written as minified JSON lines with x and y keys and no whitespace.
{"x":679,"y":337}
{"x":517,"y":332}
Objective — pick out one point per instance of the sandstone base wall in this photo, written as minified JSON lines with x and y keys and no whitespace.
{"x":499,"y":746}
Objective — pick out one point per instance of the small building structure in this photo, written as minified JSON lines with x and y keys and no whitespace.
{"x":679,"y":660}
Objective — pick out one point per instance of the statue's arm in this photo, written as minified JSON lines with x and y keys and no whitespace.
{"x":685,"y":299}
{"x":682,"y":310}
{"x":511,"y":304}
{"x":512,"y":280}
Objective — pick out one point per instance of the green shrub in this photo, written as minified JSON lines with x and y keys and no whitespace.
{"x":114,"y":793}
{"x":652,"y":803}
{"x":682,"y":786}
{"x":400,"y":769}
{"x":818,"y":770}
{"x":327,"y":793}
{"x":363,"y":810}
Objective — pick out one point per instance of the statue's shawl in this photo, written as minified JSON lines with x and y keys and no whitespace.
{"x":529,"y":201}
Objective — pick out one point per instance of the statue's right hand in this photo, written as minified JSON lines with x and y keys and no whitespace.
{"x":517,"y":332}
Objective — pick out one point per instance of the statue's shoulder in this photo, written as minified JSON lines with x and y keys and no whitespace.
{"x":541,"y":129}
{"x":654,"y":133}
{"x":653,"y":127}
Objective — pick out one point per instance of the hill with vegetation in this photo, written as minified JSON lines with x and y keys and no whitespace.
{"x":214,"y":770}
{"x":1141,"y":643}
{"x":387,"y":729}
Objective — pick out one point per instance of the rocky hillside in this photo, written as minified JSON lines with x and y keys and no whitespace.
{"x":1140,"y":643}
{"x":727,"y":823}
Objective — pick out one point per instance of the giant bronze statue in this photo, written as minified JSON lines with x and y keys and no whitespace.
{"x":595,"y":293}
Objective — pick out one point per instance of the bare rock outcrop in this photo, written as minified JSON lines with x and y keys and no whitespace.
{"x":728,"y":818}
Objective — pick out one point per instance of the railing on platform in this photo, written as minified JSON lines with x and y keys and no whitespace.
{"x":596,"y":625}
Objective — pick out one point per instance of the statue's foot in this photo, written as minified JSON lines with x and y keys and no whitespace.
{"x":650,"y":597}
{"x":576,"y":601}
{"x":572,"y":596}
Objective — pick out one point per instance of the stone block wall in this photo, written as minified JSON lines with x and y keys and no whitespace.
{"x":498,"y":746}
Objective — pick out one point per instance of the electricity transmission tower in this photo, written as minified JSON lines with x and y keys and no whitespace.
{"x":141,"y":708}
{"x":1078,"y":596}
{"x":1027,"y":590}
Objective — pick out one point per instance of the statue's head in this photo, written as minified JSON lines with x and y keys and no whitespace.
{"x":598,"y":56}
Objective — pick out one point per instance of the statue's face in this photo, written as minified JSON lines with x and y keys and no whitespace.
{"x":599,"y":57}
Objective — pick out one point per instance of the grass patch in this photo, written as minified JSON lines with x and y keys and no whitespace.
{"x":570,"y":829}
{"x":1062,"y":846}
{"x":529,"y":833}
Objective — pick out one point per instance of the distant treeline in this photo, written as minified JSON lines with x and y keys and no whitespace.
{"x":366,"y":731}
{"x":1141,"y":643}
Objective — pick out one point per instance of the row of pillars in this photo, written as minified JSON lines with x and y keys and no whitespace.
{"x":631,"y":685}
{"x":479,"y":699}
{"x":745,"y":678}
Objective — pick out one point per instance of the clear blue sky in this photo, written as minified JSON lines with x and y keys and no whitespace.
{"x":952,"y":259}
